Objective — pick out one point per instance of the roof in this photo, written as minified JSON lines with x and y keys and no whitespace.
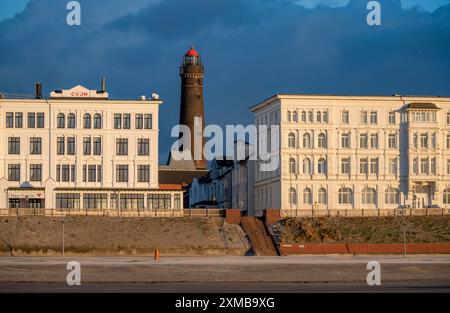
{"x":168,"y":175}
{"x":425,"y":105}
{"x":192,"y":52}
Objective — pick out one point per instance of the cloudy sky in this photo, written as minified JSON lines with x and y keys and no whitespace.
{"x":251,"y":49}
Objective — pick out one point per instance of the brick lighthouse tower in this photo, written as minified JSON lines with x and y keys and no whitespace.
{"x":191,"y":105}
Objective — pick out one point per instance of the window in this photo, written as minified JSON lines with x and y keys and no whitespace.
{"x":60,"y":145}
{"x":310,"y":116}
{"x":303,"y":116}
{"x":322,"y":199}
{"x":139,"y":123}
{"x":295,"y":116}
{"x":87,"y":146}
{"x":363,"y":141}
{"x":35,"y":172}
{"x":92,"y":173}
{"x":60,"y":121}
{"x":122,"y":173}
{"x":433,"y":140}
{"x":65,"y":173}
{"x":40,"y":120}
{"x":392,"y":196}
{"x":87,"y":120}
{"x":423,"y":140}
{"x":148,"y":121}
{"x":373,"y":117}
{"x":433,"y":166}
{"x":322,"y":166}
{"x":9,"y":120}
{"x":177,"y":202}
{"x":122,"y":146}
{"x":345,"y":141}
{"x":374,"y":141}
{"x":392,"y":166}
{"x":447,"y":141}
{"x":319,"y":117}
{"x":374,"y":166}
{"x":143,"y":173}
{"x":307,"y":196}
{"x":391,"y":117}
{"x":18,"y":119}
{"x":97,"y":145}
{"x":306,"y":141}
{"x":71,"y":120}
{"x":70,"y":145}
{"x":13,"y":145}
{"x":143,"y":146}
{"x":14,"y":172}
{"x":446,"y":194}
{"x":31,"y":120}
{"x":158,"y":201}
{"x":292,"y":196}
{"x":325,"y":117}
{"x":363,"y":166}
{"x":95,"y":201}
{"x":368,"y":196}
{"x":322,"y":140}
{"x":363,"y":117}
{"x":126,"y":121}
{"x":97,"y":121}
{"x":291,"y":140}
{"x":67,"y":200}
{"x":117,"y":121}
{"x":448,"y":166}
{"x":345,"y":166}
{"x":289,"y":116}
{"x":306,"y":166}
{"x":448,"y":118}
{"x":424,"y":166}
{"x":392,"y":141}
{"x":35,"y":145}
{"x":345,"y":195}
{"x":416,"y":166}
{"x":415,"y":141}
{"x":292,"y":166}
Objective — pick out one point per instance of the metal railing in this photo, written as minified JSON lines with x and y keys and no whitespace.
{"x":365,"y":212}
{"x":89,"y":212}
{"x":204,"y":212}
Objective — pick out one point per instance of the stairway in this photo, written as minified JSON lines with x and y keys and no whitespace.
{"x":261,"y":241}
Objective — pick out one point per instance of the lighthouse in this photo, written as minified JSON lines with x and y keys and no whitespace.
{"x":191,"y":103}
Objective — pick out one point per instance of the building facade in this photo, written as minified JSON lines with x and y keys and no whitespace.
{"x":80,"y":150}
{"x":342,"y":152}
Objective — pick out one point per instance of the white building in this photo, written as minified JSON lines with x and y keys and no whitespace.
{"x":350,"y":152}
{"x":80,"y":150}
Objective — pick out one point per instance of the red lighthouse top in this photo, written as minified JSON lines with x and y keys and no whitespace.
{"x":192,"y":53}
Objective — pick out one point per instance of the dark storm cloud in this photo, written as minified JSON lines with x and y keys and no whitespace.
{"x":251,"y":50}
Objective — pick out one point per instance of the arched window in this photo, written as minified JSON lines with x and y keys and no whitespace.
{"x":61,"y":120}
{"x":303,"y":116}
{"x":292,"y":196}
{"x":345,"y":195}
{"x":448,"y":118}
{"x":322,"y":140}
{"x":310,"y":117}
{"x":288,"y":116}
{"x":368,"y":196}
{"x":325,"y":116}
{"x":97,"y":121}
{"x":319,"y":117}
{"x":307,"y":166}
{"x":87,"y":120}
{"x":71,"y":120}
{"x":306,"y":140}
{"x":295,"y":116}
{"x":291,"y":140}
{"x":322,"y":196}
{"x":392,"y":196}
{"x":307,"y":196}
{"x":292,"y":166}
{"x":447,"y":196}
{"x":322,"y":166}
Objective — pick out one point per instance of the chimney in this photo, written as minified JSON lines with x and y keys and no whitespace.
{"x":103,"y":89}
{"x":38,"y":90}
